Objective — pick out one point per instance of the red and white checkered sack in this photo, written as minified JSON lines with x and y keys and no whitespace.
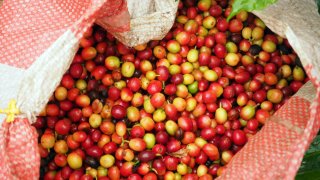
{"x":39,"y":39}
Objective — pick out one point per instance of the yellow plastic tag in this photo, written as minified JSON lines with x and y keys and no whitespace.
{"x":10,"y":111}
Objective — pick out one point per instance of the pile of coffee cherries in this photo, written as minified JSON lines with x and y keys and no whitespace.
{"x":177,"y":108}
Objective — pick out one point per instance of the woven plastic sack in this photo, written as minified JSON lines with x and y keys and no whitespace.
{"x":150,"y":19}
{"x":277,"y":150}
{"x":38,"y":41}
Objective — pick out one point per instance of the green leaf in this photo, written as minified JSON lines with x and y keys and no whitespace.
{"x":310,"y":166}
{"x":309,"y":175}
{"x":248,"y":5}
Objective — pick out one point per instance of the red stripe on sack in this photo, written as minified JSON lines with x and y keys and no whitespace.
{"x":19,"y":151}
{"x":29,"y":28}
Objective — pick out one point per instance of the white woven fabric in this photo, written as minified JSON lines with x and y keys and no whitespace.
{"x":41,"y":79}
{"x":10,"y":79}
{"x":150,"y":20}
